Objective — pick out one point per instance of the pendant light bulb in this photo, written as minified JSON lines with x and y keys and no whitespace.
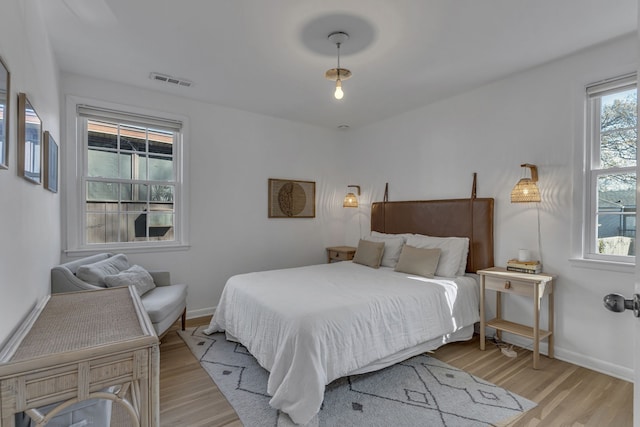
{"x":338,"y":93}
{"x":338,"y":74}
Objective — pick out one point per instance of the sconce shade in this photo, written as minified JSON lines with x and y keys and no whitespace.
{"x":350,"y":201}
{"x":526,"y":190}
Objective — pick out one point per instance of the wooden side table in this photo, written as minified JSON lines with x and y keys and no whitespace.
{"x":534,"y":286}
{"x":340,"y":253}
{"x":75,"y":345}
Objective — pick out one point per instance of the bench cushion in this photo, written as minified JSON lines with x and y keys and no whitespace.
{"x":163,"y":300}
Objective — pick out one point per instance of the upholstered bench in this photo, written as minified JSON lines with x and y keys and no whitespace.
{"x":164,"y":302}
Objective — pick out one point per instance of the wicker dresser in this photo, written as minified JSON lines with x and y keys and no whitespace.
{"x":73,"y":347}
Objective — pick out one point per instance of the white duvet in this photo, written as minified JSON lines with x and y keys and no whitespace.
{"x":311,"y":325}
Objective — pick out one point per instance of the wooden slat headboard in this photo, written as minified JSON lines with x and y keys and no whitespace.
{"x":472,"y":218}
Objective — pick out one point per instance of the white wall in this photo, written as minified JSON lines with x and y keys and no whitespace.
{"x":231,"y":156}
{"x":531,"y":117}
{"x":29,"y":214}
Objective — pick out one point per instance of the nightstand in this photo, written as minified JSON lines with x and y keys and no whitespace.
{"x":340,"y":253}
{"x":534,"y":286}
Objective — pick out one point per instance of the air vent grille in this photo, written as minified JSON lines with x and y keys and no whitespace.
{"x":170,"y":79}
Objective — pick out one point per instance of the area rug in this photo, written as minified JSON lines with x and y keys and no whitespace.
{"x":421,"y":391}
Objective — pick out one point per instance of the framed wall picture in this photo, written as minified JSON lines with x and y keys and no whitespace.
{"x":5,"y":94}
{"x":292,"y":199}
{"x":29,"y":141}
{"x":50,"y":162}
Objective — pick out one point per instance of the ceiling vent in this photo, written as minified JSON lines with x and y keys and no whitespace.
{"x":170,"y":80}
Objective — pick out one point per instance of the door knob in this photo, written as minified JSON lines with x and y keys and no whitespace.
{"x":617,"y":303}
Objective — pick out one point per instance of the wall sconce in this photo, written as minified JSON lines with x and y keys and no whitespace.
{"x":350,"y":200}
{"x":526,"y":190}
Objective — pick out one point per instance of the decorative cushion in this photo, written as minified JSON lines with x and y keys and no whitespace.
{"x":420,"y":261}
{"x":392,"y":247}
{"x":96,"y":272}
{"x":135,"y":276}
{"x":369,"y":253}
{"x":453,"y":258}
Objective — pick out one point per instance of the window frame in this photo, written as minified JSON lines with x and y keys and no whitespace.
{"x":592,"y":169}
{"x":76,"y":177}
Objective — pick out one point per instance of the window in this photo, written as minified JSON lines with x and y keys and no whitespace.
{"x":129,"y":176}
{"x":610,"y":172}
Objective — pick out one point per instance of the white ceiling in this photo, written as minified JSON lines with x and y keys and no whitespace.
{"x":269,"y":56}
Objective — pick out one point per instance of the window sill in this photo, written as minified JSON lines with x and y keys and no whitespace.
{"x":127,"y":249}
{"x":620,"y":267}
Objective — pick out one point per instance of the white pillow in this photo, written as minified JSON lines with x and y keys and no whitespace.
{"x":96,"y":272}
{"x":392,"y":247}
{"x":404,"y":236}
{"x":453,"y":256}
{"x":135,"y":276}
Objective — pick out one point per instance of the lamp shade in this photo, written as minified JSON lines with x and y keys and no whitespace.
{"x":350,"y":201}
{"x":526,"y":190}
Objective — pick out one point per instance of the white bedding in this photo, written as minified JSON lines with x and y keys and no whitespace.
{"x":311,"y":325}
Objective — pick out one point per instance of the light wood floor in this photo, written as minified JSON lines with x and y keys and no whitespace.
{"x":567,"y":395}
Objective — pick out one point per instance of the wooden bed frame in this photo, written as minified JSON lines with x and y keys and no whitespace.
{"x":472,"y":218}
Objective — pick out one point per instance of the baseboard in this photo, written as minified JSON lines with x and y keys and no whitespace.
{"x":592,"y":363}
{"x":202,"y":312}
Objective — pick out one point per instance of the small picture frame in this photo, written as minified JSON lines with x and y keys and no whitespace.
{"x":50,"y":163}
{"x":29,"y":141}
{"x":292,"y":199}
{"x":5,"y":95}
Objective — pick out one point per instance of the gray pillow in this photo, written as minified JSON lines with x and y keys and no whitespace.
{"x":420,"y":261}
{"x":135,"y":276}
{"x":96,"y":272}
{"x":369,"y":253}
{"x":392,"y":247}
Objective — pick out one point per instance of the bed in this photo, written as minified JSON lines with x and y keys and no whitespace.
{"x":311,"y":325}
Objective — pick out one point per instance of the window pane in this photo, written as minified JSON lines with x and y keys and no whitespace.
{"x":133,"y":138}
{"x":102,"y":134}
{"x":616,"y":223}
{"x":618,"y":148}
{"x":160,"y":226}
{"x":616,"y":235}
{"x":102,"y":191}
{"x":160,"y":142}
{"x":140,"y":194}
{"x":102,"y":227}
{"x":104,"y":164}
{"x":162,"y":193}
{"x":160,"y":169}
{"x":617,"y":191}
{"x":126,"y":192}
{"x":618,"y":131}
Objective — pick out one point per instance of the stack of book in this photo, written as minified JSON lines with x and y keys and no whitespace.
{"x":531,"y":267}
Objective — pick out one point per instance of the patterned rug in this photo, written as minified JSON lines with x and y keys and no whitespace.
{"x":421,"y":391}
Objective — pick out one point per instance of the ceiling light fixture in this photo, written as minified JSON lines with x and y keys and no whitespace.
{"x":338,"y":74}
